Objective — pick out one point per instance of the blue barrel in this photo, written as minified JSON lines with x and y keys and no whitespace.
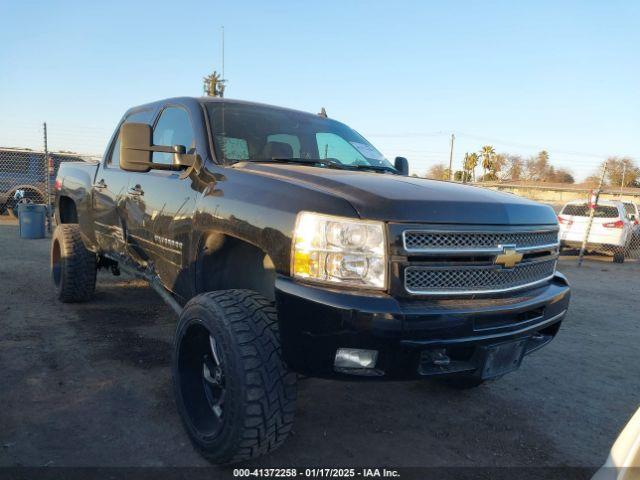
{"x":32,"y":218}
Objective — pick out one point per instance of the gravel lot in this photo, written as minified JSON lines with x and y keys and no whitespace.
{"x":89,"y":385}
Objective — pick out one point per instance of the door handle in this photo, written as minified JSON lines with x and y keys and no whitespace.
{"x":136,"y":191}
{"x":101,"y":184}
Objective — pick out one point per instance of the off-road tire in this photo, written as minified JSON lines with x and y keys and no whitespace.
{"x":260,"y":395}
{"x":73,"y":267}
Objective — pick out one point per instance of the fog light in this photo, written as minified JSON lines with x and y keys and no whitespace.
{"x":355,"y":358}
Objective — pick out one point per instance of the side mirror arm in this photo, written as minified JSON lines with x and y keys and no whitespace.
{"x":193,"y":162}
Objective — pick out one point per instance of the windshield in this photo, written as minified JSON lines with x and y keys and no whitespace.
{"x":261,"y":133}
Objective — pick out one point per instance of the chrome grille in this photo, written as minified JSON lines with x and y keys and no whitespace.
{"x":427,"y":241}
{"x":463,"y":260}
{"x":476,"y":279}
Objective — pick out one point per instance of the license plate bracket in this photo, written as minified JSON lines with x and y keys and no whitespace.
{"x":502,"y":358}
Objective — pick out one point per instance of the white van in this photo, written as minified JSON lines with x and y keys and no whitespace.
{"x":614,"y":226}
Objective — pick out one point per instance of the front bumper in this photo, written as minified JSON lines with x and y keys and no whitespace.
{"x":410,"y":333}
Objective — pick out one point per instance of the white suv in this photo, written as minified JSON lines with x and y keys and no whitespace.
{"x":615,"y":225}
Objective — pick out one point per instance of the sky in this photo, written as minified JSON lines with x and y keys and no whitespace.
{"x":522,"y":76}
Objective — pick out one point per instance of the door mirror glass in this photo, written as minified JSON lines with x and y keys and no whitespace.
{"x":402,"y":165}
{"x":135,"y":147}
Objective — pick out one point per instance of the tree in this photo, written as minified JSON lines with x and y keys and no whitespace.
{"x":515,"y":167}
{"x":538,"y":168}
{"x":462,"y":176}
{"x":619,"y":167}
{"x":438,"y":172}
{"x":592,"y":180}
{"x":487,"y":153}
{"x":500,"y":161}
{"x":563,"y":175}
{"x":470,"y":164}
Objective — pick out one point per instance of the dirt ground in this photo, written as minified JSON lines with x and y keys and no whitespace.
{"x":89,"y":385}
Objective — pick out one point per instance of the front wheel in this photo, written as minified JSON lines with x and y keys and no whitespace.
{"x":234,"y":393}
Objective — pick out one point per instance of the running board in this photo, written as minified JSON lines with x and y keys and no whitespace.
{"x":152,"y":279}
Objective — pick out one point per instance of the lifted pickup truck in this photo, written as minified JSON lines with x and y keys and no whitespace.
{"x":289,"y":245}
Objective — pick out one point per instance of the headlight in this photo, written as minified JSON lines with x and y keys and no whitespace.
{"x":339,"y":250}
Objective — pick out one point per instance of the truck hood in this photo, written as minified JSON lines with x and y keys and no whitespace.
{"x":395,"y":198}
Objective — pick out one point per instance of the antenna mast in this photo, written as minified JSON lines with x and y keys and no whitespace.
{"x":214,"y":83}
{"x":223,"y":79}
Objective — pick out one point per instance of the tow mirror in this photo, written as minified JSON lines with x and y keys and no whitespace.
{"x":136,"y":149}
{"x":402,"y":165}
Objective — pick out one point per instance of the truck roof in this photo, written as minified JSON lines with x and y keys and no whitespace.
{"x":205,"y":100}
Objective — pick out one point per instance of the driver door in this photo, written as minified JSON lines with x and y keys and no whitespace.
{"x":160,"y":206}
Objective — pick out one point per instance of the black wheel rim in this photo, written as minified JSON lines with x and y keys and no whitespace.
{"x":201,"y":380}
{"x":213,"y":378}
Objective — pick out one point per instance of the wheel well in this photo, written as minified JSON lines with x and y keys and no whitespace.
{"x":67,"y":210}
{"x":226,"y":262}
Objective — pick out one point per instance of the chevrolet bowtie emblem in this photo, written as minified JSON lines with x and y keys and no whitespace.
{"x":509,"y":257}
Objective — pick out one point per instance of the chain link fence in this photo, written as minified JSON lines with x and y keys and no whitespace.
{"x":28,"y":170}
{"x":28,"y":176}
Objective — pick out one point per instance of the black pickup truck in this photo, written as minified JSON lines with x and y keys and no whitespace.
{"x":289,"y":245}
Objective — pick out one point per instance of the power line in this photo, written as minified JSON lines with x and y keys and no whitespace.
{"x":536,"y":147}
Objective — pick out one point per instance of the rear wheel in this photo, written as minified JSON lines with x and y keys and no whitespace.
{"x":234,"y":393}
{"x":73,"y":267}
{"x":618,"y":257}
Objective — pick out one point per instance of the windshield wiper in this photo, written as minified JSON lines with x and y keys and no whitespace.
{"x":327,"y":162}
{"x":302,"y":161}
{"x":375,"y":168}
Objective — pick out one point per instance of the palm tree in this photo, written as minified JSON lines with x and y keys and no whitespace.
{"x":470,"y":164}
{"x":487,"y":152}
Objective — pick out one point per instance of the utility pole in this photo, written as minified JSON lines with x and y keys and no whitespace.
{"x":592,"y":211}
{"x":453,"y":137}
{"x":624,"y":173}
{"x":47,"y":176}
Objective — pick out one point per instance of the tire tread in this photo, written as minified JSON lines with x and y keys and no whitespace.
{"x":78,"y":272}
{"x":270,"y":386}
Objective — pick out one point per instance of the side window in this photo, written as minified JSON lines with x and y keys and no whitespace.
{"x":331,"y":145}
{"x":143,"y":116}
{"x":292,"y":140}
{"x":173,"y":128}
